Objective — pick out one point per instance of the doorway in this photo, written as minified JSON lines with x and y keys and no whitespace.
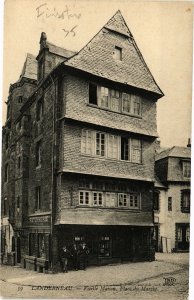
{"x":183,"y":236}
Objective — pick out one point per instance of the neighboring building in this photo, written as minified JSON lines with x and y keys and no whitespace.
{"x":172,"y":199}
{"x":80,"y":160}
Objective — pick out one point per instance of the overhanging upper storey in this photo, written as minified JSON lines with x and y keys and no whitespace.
{"x":114,"y":55}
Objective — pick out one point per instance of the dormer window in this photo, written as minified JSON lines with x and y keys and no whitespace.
{"x":117,"y":54}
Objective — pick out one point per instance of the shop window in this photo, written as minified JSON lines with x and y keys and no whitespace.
{"x":105,"y":246}
{"x":156,"y":200}
{"x":169,"y":203}
{"x":93,"y":94}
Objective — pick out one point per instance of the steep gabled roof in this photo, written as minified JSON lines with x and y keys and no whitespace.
{"x":60,"y":51}
{"x":97,"y":57}
{"x":30,"y":68}
{"x":175,"y":151}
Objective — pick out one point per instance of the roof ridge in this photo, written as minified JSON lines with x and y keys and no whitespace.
{"x":60,"y":47}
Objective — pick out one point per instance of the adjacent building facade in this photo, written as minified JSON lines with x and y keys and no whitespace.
{"x":78,"y":152}
{"x":172,"y":199}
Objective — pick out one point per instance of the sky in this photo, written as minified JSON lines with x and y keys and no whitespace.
{"x":162,"y":31}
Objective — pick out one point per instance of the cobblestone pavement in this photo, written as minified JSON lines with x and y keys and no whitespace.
{"x":144,"y":280}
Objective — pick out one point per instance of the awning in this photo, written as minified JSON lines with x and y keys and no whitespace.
{"x":86,"y":216}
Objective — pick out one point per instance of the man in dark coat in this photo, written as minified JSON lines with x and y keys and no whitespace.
{"x":74,"y":253}
{"x":64,"y":256}
{"x":83,"y":256}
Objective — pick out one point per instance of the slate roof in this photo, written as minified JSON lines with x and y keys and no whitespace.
{"x":97,"y":57}
{"x":60,"y":51}
{"x":158,"y":183}
{"x":175,"y":151}
{"x":30,"y":68}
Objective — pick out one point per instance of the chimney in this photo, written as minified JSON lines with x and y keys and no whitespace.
{"x":43,"y":41}
{"x":189,"y":143}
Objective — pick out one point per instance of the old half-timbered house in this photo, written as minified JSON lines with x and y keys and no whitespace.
{"x":91,"y":127}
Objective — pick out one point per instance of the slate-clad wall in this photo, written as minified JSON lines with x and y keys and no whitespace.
{"x":75,"y":161}
{"x":76,"y":97}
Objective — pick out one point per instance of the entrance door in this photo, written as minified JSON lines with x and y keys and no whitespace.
{"x":183,"y":236}
{"x":18,"y":251}
{"x":104,"y":248}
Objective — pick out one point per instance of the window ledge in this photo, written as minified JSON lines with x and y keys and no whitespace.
{"x":117,"y":112}
{"x":103,"y":207}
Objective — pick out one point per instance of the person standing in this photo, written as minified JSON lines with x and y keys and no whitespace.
{"x":83,"y":256}
{"x":65,"y":255}
{"x":74,"y":253}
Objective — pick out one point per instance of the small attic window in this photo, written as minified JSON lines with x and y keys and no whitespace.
{"x":117,"y":54}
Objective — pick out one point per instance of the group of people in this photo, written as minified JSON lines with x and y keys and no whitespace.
{"x":77,"y":254}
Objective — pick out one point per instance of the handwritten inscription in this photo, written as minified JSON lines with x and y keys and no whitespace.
{"x":44,"y":11}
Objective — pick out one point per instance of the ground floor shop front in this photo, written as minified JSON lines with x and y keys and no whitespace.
{"x":109,"y":244}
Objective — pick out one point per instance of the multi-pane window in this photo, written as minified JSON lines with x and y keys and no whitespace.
{"x":187,"y":169}
{"x":122,"y":199}
{"x":113,"y":146}
{"x":185,"y":201}
{"x":38,"y":153}
{"x":38,"y":198}
{"x":136,"y":105}
{"x":86,"y":141}
{"x":100,"y":144}
{"x":104,"y":97}
{"x":169,"y":203}
{"x":125,"y":153}
{"x":126,"y":103}
{"x":97,"y":199}
{"x":134,"y":201}
{"x":136,"y":150}
{"x":84,"y":198}
{"x":84,"y":184}
{"x":115,"y":100}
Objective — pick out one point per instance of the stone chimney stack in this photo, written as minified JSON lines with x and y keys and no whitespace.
{"x":189,"y":143}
